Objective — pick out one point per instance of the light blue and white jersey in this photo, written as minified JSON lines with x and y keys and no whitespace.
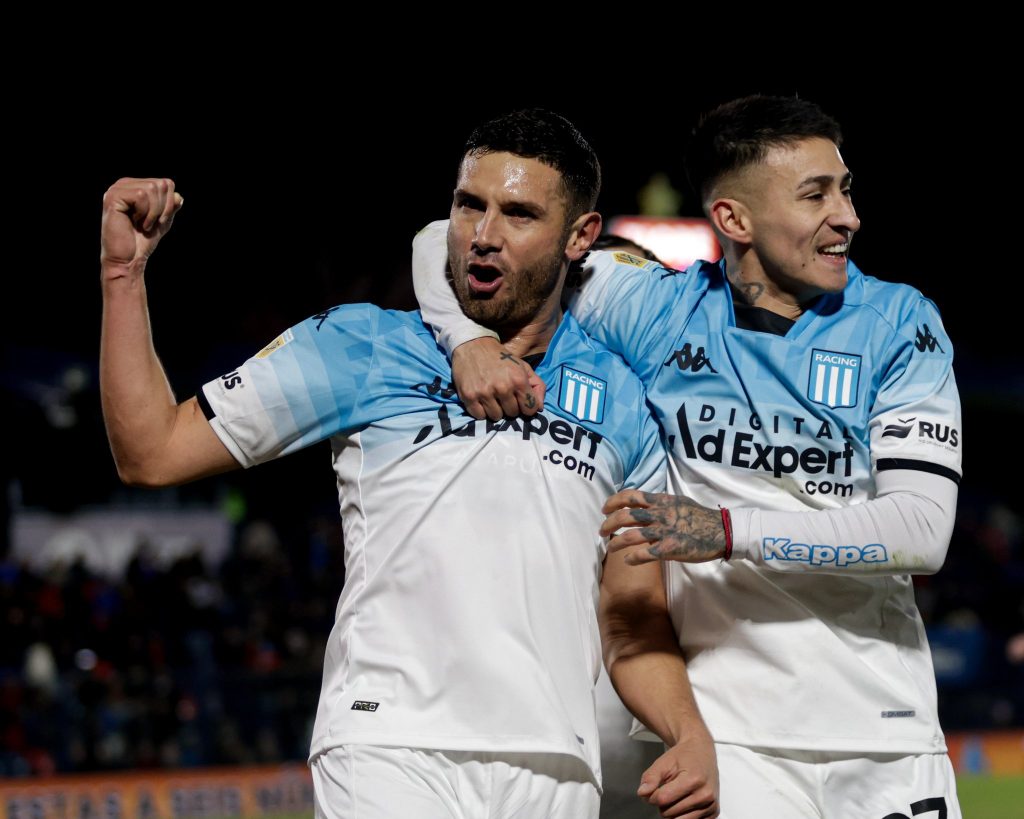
{"x":795,"y":643}
{"x":472,"y":556}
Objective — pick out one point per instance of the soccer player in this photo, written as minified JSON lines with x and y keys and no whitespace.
{"x":814,"y":427}
{"x":459,"y":674}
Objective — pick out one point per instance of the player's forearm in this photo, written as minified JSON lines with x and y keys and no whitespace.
{"x":905,"y":530}
{"x":139,"y":408}
{"x":437,"y":301}
{"x":648,"y":671}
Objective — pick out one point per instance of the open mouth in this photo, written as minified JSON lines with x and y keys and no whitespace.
{"x":484,"y":278}
{"x":836,"y":252}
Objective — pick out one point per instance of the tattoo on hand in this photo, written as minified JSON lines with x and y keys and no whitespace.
{"x":680,"y":529}
{"x":531,"y":402}
{"x":509,"y":357}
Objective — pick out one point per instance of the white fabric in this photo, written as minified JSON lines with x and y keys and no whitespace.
{"x":912,"y":514}
{"x":370,"y":782}
{"x":757,"y":784}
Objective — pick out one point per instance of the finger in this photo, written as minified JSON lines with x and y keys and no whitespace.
{"x":621,"y":518}
{"x":537,"y":388}
{"x":475,"y":408}
{"x":491,"y":408}
{"x":509,"y":401}
{"x":627,"y":497}
{"x":630,"y":539}
{"x":642,"y":555}
{"x":156,"y":197}
{"x":698,"y":803}
{"x":170,"y":205}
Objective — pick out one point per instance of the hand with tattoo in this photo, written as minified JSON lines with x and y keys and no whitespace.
{"x":493,"y":383}
{"x":666,"y":527}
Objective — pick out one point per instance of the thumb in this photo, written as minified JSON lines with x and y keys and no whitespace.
{"x":650,"y":781}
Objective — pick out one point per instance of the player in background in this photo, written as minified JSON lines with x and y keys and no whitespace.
{"x":459,"y":674}
{"x":814,"y":429}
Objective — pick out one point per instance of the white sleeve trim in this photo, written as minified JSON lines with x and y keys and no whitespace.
{"x":905,"y":529}
{"x":438,"y":304}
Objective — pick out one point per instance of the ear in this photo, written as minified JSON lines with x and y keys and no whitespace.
{"x":730,"y":218}
{"x":582,"y":234}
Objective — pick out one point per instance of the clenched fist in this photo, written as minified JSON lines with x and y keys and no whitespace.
{"x":136,"y":215}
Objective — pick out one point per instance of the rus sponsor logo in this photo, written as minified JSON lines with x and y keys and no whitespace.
{"x":821,"y":554}
{"x":932,"y":432}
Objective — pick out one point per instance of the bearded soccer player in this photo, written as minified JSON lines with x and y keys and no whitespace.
{"x":459,"y":674}
{"x":814,"y":427}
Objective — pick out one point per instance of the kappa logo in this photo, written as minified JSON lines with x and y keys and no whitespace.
{"x":582,"y":395}
{"x":926,"y":342}
{"x":685,"y":359}
{"x":820,"y":554}
{"x":834,"y":378}
{"x":320,"y":318}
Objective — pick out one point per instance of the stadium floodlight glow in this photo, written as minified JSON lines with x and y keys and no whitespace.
{"x":678,"y":241}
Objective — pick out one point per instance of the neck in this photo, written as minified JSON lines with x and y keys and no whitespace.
{"x":754,"y":287}
{"x":533,"y":337}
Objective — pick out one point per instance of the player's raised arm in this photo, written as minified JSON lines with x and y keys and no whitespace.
{"x":154,"y":440}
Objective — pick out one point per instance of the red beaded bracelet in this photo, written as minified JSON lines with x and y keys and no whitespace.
{"x":727,"y":525}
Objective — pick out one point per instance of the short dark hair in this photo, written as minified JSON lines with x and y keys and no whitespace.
{"x":741,"y":132}
{"x":550,"y":138}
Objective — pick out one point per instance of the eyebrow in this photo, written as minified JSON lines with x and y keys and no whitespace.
{"x":536,"y":208}
{"x":826,"y":179}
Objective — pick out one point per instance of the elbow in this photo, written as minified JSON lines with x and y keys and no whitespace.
{"x":934,"y":526}
{"x":142,"y":475}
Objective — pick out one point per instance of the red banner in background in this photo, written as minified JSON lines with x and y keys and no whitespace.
{"x":999,"y":753}
{"x":272,"y":791}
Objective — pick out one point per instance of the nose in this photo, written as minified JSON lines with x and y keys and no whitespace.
{"x":845,"y":217}
{"x":487,"y":236}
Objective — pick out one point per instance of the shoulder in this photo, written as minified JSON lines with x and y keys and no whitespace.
{"x":625,"y":267}
{"x":893,"y":299}
{"x":578,"y":349}
{"x":898,"y":305}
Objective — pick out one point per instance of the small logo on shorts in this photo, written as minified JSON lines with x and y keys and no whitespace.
{"x":897,"y":714}
{"x":363,"y":705}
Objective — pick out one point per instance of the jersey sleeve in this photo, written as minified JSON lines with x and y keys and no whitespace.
{"x":915,"y":438}
{"x":905,"y":529}
{"x":629,"y":304}
{"x":311,"y":382}
{"x":438,"y":305}
{"x":915,"y":420}
{"x":648,"y":471}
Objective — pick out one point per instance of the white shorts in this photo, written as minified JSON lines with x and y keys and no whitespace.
{"x":370,"y":782}
{"x":762,"y":783}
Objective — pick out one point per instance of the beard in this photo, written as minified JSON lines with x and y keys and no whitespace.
{"x":522,"y":295}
